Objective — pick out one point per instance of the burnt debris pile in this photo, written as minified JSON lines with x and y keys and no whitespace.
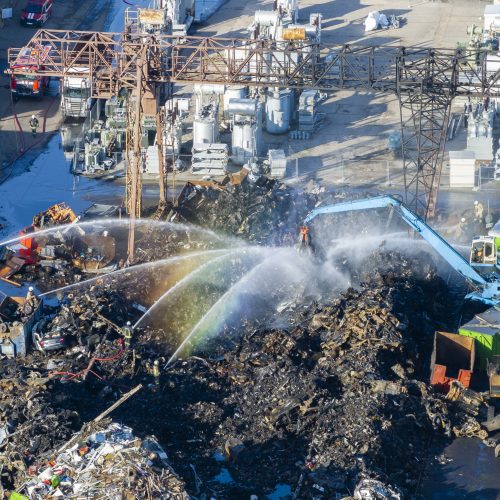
{"x":267,"y":212}
{"x":306,"y":397}
{"x":327,"y":402}
{"x":31,"y":423}
{"x":318,"y":406}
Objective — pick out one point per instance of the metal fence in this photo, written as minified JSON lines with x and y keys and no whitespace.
{"x":349,"y":172}
{"x":485,"y":179}
{"x":384,"y":174}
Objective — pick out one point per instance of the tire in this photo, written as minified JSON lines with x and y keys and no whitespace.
{"x":3,"y":328}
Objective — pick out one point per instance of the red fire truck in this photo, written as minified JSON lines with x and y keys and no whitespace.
{"x":36,"y":12}
{"x":29,"y":61}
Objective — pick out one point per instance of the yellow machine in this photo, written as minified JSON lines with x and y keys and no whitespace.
{"x":54,"y":216}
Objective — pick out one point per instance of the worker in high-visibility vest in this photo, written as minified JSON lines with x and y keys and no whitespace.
{"x":304,"y":237}
{"x":127,"y":332}
{"x":30,"y":302}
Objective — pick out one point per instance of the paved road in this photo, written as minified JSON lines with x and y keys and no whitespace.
{"x":473,"y":473}
{"x":15,"y":135}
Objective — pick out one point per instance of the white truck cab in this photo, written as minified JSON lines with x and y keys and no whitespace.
{"x":76,"y":98}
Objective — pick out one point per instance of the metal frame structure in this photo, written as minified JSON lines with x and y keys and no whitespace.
{"x":425,"y":81}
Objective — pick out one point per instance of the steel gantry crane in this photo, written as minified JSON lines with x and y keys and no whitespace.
{"x":144,"y":66}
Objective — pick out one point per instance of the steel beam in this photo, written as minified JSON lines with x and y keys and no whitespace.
{"x":425,"y":80}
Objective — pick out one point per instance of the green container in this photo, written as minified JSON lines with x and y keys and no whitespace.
{"x":485,"y":329}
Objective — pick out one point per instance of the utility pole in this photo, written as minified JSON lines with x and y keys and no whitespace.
{"x":135,"y":182}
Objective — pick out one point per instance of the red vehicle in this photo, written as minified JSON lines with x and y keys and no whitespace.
{"x":36,"y":12}
{"x":29,"y":83}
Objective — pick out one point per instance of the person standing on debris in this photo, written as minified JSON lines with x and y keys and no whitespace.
{"x":33,"y":124}
{"x":304,"y":238}
{"x":462,"y":228}
{"x":30,"y":296}
{"x":156,"y":372}
{"x":463,"y":225}
{"x":478,"y":211}
{"x":127,"y":332}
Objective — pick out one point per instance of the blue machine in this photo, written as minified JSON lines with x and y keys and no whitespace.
{"x":487,"y":290}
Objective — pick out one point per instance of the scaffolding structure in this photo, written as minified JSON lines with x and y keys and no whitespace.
{"x":144,"y":66}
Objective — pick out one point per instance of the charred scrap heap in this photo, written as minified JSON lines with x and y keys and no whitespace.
{"x":336,"y":400}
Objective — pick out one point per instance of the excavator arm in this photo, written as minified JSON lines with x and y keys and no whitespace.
{"x":489,"y":290}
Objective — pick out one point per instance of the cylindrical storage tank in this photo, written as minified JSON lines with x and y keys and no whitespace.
{"x":278,"y":111}
{"x":243,"y":141}
{"x":204,"y":130}
{"x":243,"y":107}
{"x":233,"y":92}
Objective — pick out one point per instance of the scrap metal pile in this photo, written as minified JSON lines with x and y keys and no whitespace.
{"x":318,"y":406}
{"x":30,"y":423}
{"x":108,"y":463}
{"x":332,"y":400}
{"x":266,"y":212}
{"x":324,"y":404}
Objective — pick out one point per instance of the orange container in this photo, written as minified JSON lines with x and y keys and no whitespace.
{"x":452,"y":359}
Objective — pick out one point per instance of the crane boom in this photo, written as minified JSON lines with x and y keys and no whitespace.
{"x":490,"y":289}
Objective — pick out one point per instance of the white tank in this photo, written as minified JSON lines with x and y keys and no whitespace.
{"x":204,"y":131}
{"x":244,"y":107}
{"x":266,"y":17}
{"x":243,"y":142}
{"x":233,"y":92}
{"x":278,"y":111}
{"x":246,"y":140}
{"x":205,"y":126}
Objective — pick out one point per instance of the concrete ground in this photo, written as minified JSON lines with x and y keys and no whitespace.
{"x":349,"y":147}
{"x":16,"y":138}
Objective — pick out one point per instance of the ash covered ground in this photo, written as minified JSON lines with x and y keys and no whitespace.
{"x":297,"y":374}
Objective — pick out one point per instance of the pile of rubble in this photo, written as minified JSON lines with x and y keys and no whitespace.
{"x":110,"y":463}
{"x":319,"y":405}
{"x":322,"y":405}
{"x":266,"y":212}
{"x":30,"y":423}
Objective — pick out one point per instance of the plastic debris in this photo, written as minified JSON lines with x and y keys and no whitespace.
{"x":110,"y":463}
{"x":375,"y":20}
